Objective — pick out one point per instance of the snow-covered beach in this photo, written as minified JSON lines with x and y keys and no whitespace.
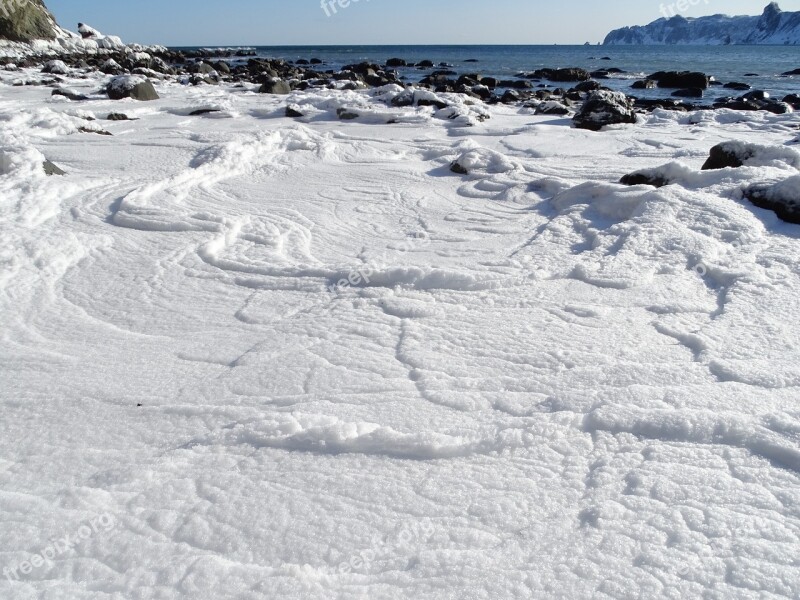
{"x":381,"y":351}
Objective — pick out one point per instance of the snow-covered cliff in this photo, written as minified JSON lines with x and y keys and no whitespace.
{"x":774,"y":26}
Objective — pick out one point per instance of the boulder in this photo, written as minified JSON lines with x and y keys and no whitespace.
{"x":688,"y":93}
{"x":455,"y":167}
{"x":681,"y":79}
{"x":587,"y":86}
{"x":739,"y":87}
{"x":275,"y":86}
{"x":603,"y":108}
{"x":396,"y":62}
{"x":111,"y":67}
{"x":783,"y":198}
{"x":117,"y":117}
{"x":345,"y":114}
{"x":55,"y":67}
{"x":645,"y":84}
{"x":737,"y":154}
{"x":71,"y":94}
{"x":293,"y":112}
{"x":793,"y":100}
{"x":551,"y":108}
{"x":652,"y":177}
{"x":131,"y":86}
{"x":560,"y":75}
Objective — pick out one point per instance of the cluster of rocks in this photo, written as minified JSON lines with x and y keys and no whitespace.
{"x":594,"y":105}
{"x":783,"y":197}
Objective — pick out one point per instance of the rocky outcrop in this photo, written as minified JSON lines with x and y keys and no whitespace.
{"x":26,"y":21}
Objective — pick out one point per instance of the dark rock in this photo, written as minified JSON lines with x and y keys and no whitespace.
{"x":396,"y":62}
{"x":315,"y":61}
{"x":431,"y":102}
{"x":688,"y":93}
{"x":97,"y":131}
{"x":563,"y":75}
{"x":292,"y":112}
{"x":510,"y":97}
{"x":112,"y":67}
{"x":346,"y":115}
{"x":471,"y":60}
{"x":275,"y":86}
{"x":403,"y":100}
{"x":681,"y":79}
{"x":644,"y":84}
{"x":203,"y":111}
{"x":758,"y":95}
{"x":793,"y":100}
{"x":741,"y":87}
{"x":458,"y":169}
{"x":728,"y":154}
{"x":791,"y":73}
{"x":604,"y":108}
{"x":425,"y":64}
{"x":516,"y":84}
{"x":588,"y":86}
{"x":131,"y":87}
{"x":645,"y":177}
{"x":74,"y":96}
{"x":221,"y":67}
{"x":551,"y":108}
{"x":118,"y":117}
{"x":783,"y":198}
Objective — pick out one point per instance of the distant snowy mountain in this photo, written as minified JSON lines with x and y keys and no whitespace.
{"x":773,"y":27}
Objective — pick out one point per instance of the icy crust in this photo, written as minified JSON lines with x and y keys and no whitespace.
{"x":300,"y":357}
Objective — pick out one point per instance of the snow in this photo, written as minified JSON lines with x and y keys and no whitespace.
{"x":271,"y":357}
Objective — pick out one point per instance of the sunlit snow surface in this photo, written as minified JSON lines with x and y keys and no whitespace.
{"x":542,"y":385}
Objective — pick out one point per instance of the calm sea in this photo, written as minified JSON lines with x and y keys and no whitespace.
{"x":760,"y":66}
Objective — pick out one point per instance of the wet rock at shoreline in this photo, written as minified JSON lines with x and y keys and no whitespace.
{"x":681,"y":79}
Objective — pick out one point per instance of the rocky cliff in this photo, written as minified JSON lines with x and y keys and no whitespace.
{"x":26,"y":20}
{"x":774,"y":26}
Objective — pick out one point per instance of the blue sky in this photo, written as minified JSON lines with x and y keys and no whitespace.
{"x":289,"y":22}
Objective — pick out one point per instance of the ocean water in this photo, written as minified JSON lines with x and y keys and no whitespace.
{"x":725,"y":63}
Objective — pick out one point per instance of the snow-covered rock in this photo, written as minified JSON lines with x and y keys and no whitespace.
{"x":56,"y":67}
{"x":736,"y":154}
{"x":783,"y":198}
{"x":131,"y":86}
{"x":773,"y":27}
{"x":603,"y":108}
